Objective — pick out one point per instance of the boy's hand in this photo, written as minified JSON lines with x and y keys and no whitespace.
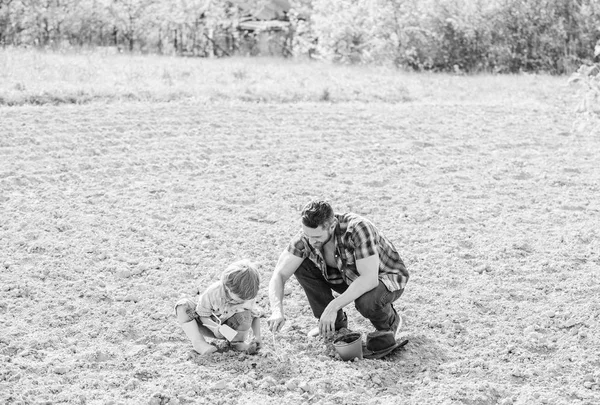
{"x":254,"y":347}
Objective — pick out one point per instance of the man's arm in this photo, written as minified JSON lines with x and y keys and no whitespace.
{"x":286,"y":266}
{"x":368,"y":270}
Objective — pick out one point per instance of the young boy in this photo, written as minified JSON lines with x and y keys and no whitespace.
{"x":230,"y":301}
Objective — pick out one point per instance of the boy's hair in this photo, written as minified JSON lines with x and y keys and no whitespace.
{"x":242,"y":279}
{"x":317,"y":213}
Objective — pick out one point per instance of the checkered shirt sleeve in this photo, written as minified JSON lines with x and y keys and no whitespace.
{"x":298,"y":247}
{"x":364,"y":238}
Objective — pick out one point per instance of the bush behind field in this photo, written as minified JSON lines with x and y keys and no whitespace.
{"x":37,"y":77}
{"x":587,"y":119}
{"x":499,"y":36}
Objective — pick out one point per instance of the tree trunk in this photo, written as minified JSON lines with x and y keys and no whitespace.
{"x":46,"y":32}
{"x":131,"y":33}
{"x":181,"y":41}
{"x":160,"y":45}
{"x":175,"y":41}
{"x":195,"y":38}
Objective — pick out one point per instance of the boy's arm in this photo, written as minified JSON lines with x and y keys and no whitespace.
{"x":256,"y":329}
{"x":212,"y":325}
{"x":204,"y":309}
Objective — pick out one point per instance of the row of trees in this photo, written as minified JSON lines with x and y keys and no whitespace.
{"x":555,"y":36}
{"x":162,"y":26}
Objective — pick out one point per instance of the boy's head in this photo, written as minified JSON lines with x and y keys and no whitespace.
{"x":242,"y":279}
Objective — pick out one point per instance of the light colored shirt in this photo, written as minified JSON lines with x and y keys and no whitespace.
{"x":214,"y":301}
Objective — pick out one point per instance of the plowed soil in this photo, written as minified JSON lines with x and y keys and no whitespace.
{"x":109,"y":213}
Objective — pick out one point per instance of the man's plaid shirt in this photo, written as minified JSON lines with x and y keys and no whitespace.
{"x":355,"y":238}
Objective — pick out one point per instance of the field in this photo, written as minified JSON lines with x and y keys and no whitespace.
{"x":137,"y":180}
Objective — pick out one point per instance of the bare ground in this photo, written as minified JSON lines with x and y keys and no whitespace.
{"x":110,"y":213}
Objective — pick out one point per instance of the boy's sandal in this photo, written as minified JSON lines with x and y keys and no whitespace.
{"x":221,"y":349}
{"x":239,"y":346}
{"x":252,"y":348}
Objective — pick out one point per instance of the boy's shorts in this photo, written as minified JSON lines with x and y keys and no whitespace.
{"x":240,"y":321}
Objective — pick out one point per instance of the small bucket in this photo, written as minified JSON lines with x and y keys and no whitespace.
{"x":349,"y":346}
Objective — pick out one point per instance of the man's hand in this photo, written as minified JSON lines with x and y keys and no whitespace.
{"x":286,"y":266}
{"x":276,"y":321}
{"x":327,"y":321}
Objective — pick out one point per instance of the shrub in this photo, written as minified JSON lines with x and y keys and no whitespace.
{"x":507,"y":36}
{"x":588,"y":110}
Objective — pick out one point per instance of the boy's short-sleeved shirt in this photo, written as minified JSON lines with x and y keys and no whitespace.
{"x":355,"y":238}
{"x":214,"y":301}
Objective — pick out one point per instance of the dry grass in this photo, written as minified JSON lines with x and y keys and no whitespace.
{"x":34,"y":77}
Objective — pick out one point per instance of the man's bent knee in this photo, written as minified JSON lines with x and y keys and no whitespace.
{"x":374,"y":300}
{"x":367,"y":306}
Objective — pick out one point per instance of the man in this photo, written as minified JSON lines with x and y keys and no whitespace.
{"x":344,"y":253}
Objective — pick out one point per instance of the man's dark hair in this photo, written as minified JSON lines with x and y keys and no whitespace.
{"x":317,"y":213}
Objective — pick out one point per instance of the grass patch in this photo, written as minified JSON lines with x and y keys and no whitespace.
{"x":32,"y":77}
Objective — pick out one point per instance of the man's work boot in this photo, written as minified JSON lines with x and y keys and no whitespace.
{"x":397,"y":323}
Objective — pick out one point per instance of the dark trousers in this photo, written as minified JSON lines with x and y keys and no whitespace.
{"x":375,"y":305}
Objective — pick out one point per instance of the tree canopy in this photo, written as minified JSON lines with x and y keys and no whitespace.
{"x":555,"y":36}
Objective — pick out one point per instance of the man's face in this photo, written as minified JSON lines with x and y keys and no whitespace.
{"x":317,"y":237}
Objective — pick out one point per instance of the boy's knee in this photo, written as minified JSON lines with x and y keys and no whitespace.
{"x":240,"y":321}
{"x":181,"y":313}
{"x":243,"y":327}
{"x":183,"y":308}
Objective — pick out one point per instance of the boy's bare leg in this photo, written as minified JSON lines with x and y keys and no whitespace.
{"x":256,"y":331}
{"x":190,"y":327}
{"x":253,"y":346}
{"x":241,"y":322}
